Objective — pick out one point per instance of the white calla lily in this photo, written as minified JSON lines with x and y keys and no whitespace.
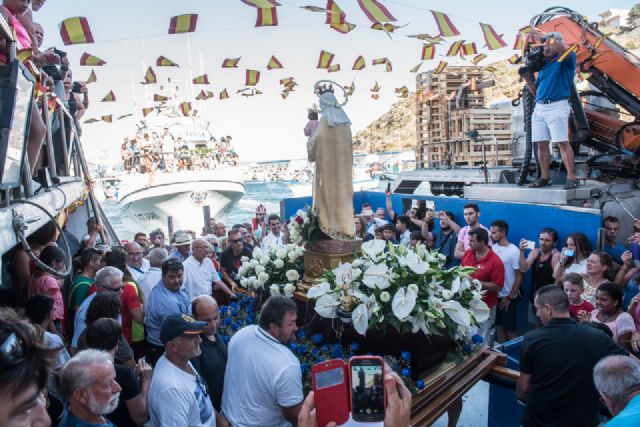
{"x":457,"y":312}
{"x":402,"y":304}
{"x":480,"y":310}
{"x":377,"y":276}
{"x":344,"y":275}
{"x":455,"y":285}
{"x":373,"y":248}
{"x":360,"y":318}
{"x":415,"y":263}
{"x":326,"y":305}
{"x":316,"y":291}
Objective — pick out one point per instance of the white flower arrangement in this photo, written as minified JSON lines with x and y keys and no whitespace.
{"x":410,"y":290}
{"x":276,"y":271}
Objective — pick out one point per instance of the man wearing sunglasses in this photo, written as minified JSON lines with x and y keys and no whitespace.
{"x":230,"y":258}
{"x":24,"y":369}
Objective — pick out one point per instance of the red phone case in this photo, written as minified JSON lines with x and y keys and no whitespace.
{"x":332,"y":402}
{"x":381,"y":362}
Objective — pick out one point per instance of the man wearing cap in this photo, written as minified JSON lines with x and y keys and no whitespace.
{"x":165,"y":298}
{"x":178,"y":396}
{"x":550,"y":120}
{"x":182,"y":243}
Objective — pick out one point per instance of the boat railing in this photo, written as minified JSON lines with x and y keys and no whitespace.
{"x":61,"y":161}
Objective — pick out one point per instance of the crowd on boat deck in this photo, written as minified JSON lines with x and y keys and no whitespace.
{"x":150,"y":152}
{"x":132,"y":338}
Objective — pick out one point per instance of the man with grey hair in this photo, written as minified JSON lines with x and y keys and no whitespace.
{"x":138,"y":266}
{"x":152,"y":277}
{"x":89,"y":388}
{"x":617,"y":379}
{"x":550,"y":120}
{"x":200,"y":274}
{"x":108,"y":279}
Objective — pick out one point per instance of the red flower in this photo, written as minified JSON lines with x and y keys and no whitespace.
{"x":299,"y":220}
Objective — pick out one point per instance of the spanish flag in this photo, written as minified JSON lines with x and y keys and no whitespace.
{"x":375,"y":88}
{"x":348,"y":90}
{"x":335,"y":15}
{"x":252,"y":77}
{"x":107,"y":119}
{"x":230,"y":63}
{"x":343,"y":28}
{"x":427,"y":38}
{"x":267,"y":17}
{"x":160,"y":98}
{"x":325,"y":59}
{"x":124,"y":116}
{"x":379,"y":61}
{"x":478,"y":58}
{"x":454,"y":49}
{"x":288,"y":81}
{"x":513,"y":59}
{"x":375,"y":11}
{"x":274,"y":63}
{"x":388,"y":67}
{"x":87,"y":59}
{"x":387,"y":27}
{"x":183,"y":23}
{"x":521,"y":37}
{"x":201,"y":80}
{"x":261,"y":3}
{"x":440,"y":68}
{"x":334,"y":68}
{"x":75,"y":31}
{"x":110,"y":97}
{"x":163,"y":61}
{"x":359,"y":64}
{"x":468,"y":49}
{"x":493,"y":40}
{"x":89,"y":121}
{"x":445,"y":26}
{"x":204,"y":95}
{"x":92,"y":77}
{"x":149,"y":77}
{"x":428,"y":52}
{"x":185,"y":108}
{"x":416,"y":68}
{"x":223,"y":94}
{"x":146,"y":111}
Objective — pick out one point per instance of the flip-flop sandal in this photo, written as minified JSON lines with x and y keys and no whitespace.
{"x":570,"y":184}
{"x":540,"y":182}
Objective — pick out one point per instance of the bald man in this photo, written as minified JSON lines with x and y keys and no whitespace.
{"x":136,"y":262}
{"x":213,"y":360}
{"x":200,"y":275}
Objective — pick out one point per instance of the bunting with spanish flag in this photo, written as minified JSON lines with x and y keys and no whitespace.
{"x":335,"y":15}
{"x":440,"y":68}
{"x":343,"y":28}
{"x":427,"y":38}
{"x":513,"y":59}
{"x":375,"y":88}
{"x":183,"y":23}
{"x":261,"y":3}
{"x":375,"y":96}
{"x":478,"y":58}
{"x":230,"y":63}
{"x":386,"y":27}
{"x":468,"y":49}
{"x":109,"y":97}
{"x":379,"y":61}
{"x":493,"y":40}
{"x":201,"y":80}
{"x":146,"y":111}
{"x":185,"y":108}
{"x":87,"y":59}
{"x":288,"y":81}
{"x":445,"y":26}
{"x":204,"y":95}
{"x":428,"y":51}
{"x":108,"y":118}
{"x":163,"y":61}
{"x":349,"y":89}
{"x":124,"y":116}
{"x":267,"y":17}
{"x":325,"y":59}
{"x":521,"y":37}
{"x":359,"y":63}
{"x":454,"y":49}
{"x":388,"y":67}
{"x":333,"y":68}
{"x":150,"y":77}
{"x":160,"y":98}
{"x":75,"y":31}
{"x":274,"y":63}
{"x":92,"y":120}
{"x":92,"y":77}
{"x":252,"y":77}
{"x":416,"y":68}
{"x":375,"y":11}
{"x":223,"y":94}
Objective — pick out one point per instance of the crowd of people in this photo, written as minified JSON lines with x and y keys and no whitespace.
{"x":150,"y":152}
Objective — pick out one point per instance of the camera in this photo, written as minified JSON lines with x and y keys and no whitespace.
{"x":534,"y":60}
{"x":77,"y":87}
{"x":60,"y":53}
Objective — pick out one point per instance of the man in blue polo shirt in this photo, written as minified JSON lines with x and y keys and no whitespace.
{"x":550,"y":120}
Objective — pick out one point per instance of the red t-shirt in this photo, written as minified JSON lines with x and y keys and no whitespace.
{"x":574,"y":309}
{"x":489,"y":268}
{"x":128,"y":301}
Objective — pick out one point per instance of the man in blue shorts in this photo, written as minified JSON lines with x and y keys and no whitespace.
{"x":550,"y":120}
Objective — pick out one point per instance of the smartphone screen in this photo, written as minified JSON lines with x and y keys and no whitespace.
{"x":367,"y":390}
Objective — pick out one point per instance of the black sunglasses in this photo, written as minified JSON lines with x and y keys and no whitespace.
{"x":12,"y":351}
{"x":235,"y":241}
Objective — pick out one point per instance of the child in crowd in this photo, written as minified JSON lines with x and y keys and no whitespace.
{"x":574,"y":287}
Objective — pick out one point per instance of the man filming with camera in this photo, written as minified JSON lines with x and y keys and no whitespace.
{"x":550,"y":120}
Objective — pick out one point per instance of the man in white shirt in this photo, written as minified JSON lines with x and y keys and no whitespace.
{"x":138,"y":266}
{"x":200,"y":273}
{"x":275,"y":237}
{"x":178,"y":396}
{"x":263,"y":381}
{"x":152,"y":277}
{"x":509,"y":295}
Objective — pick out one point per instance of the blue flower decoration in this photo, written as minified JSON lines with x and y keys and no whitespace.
{"x":477,"y":339}
{"x":315,"y":352}
{"x":319,"y":359}
{"x":326,"y":348}
{"x":223,"y":310}
{"x":317,"y":338}
{"x":293,"y":346}
{"x":234,"y":327}
{"x":302,"y":334}
{"x":234,"y":312}
{"x":304,"y":368}
{"x":406,"y":372}
{"x":466,"y":348}
{"x":226,"y":338}
{"x":406,"y":356}
{"x":227,"y":321}
{"x":355,"y":346}
{"x":420,"y":384}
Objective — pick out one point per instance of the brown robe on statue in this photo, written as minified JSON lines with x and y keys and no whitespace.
{"x":330,"y":148}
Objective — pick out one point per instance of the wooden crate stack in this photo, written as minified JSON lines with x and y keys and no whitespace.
{"x":441,"y":125}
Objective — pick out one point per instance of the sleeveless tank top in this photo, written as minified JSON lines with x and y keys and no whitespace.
{"x":541,"y":274}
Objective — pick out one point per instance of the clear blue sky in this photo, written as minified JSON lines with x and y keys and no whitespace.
{"x":130,"y":35}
